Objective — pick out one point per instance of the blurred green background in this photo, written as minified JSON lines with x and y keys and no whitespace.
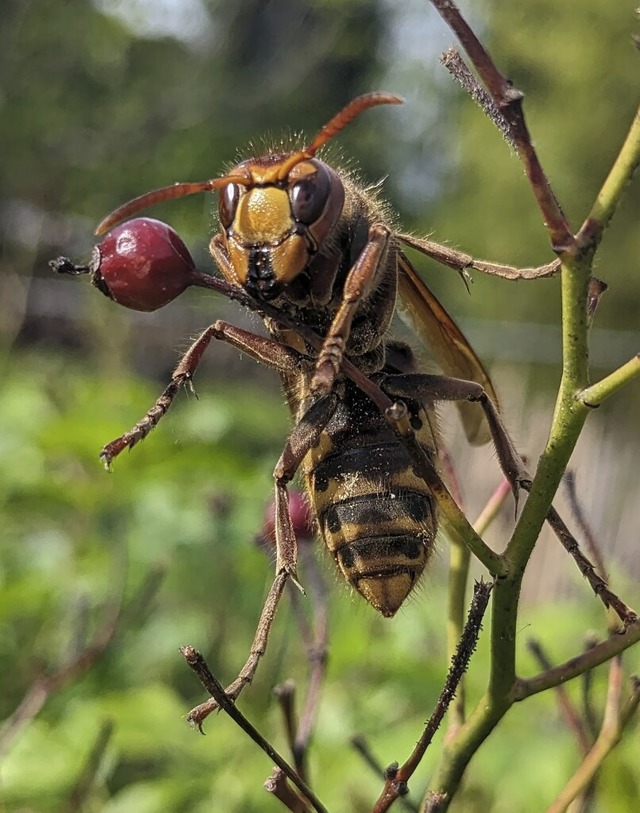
{"x":102,"y":101}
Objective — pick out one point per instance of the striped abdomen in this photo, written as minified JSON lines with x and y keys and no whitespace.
{"x":375,"y":514}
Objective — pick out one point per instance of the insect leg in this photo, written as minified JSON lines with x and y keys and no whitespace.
{"x":359,"y":283}
{"x":431,"y":388}
{"x":305,"y":435}
{"x":266,"y":351}
{"x":462,"y":262}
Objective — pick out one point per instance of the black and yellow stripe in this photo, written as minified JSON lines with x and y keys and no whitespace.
{"x":376,"y":516}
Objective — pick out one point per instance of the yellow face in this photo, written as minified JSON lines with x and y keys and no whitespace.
{"x":274,"y":227}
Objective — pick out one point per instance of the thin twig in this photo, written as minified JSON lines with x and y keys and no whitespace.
{"x":609,"y":196}
{"x":195,"y":660}
{"x":79,"y":796}
{"x":459,"y":665}
{"x":314,"y":636}
{"x":613,"y":724}
{"x":317,"y":653}
{"x":598,"y":585}
{"x":594,"y":395}
{"x":199,"y":713}
{"x":588,"y":711}
{"x":396,"y":782}
{"x":48,"y":684}
{"x":278,"y":785}
{"x":585,"y":529}
{"x":285,"y":694}
{"x":361,"y":746}
{"x":615,"y":644}
{"x":459,"y":562}
{"x":457,"y":67}
{"x":508,"y":100}
{"x":567,"y":708}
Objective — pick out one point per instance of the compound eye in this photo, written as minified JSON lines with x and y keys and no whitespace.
{"x":229,"y":197}
{"x":309,"y":196}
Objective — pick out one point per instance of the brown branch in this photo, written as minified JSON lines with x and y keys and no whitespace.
{"x":361,"y":746}
{"x":80,"y":794}
{"x":567,"y":708}
{"x":598,"y":585}
{"x":508,"y":100}
{"x":315,"y":637}
{"x":285,"y":694}
{"x":600,"y":653}
{"x":278,"y":785}
{"x":195,"y":660}
{"x":588,"y":711}
{"x":593,"y":547}
{"x":457,"y":67}
{"x":317,"y":652}
{"x":613,"y":724}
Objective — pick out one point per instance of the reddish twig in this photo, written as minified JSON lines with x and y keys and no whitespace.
{"x":567,"y":708}
{"x":615,"y":644}
{"x":588,"y":710}
{"x":508,"y":100}
{"x":616,"y":718}
{"x":285,"y":694}
{"x":457,"y":67}
{"x":361,"y":746}
{"x":317,"y":650}
{"x":278,"y":785}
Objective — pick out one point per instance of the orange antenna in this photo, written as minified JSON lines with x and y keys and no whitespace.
{"x":344,"y":117}
{"x":176,"y":190}
{"x":281,"y":171}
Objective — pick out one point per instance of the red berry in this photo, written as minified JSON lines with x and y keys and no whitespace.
{"x":300,"y":518}
{"x":142,"y":264}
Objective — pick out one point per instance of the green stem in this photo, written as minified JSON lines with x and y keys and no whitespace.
{"x":569,"y":417}
{"x":570,"y":414}
{"x":610,"y":194}
{"x":459,"y":560}
{"x":594,"y":395}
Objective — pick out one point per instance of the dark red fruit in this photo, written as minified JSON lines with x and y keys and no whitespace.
{"x":300,"y":518}
{"x":142,"y":264}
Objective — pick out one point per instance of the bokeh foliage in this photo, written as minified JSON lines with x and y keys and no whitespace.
{"x":92,"y":112}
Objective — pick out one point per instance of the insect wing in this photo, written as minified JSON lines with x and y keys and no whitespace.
{"x":447,"y":344}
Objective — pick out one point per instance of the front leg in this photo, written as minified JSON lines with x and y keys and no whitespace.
{"x":266,"y":351}
{"x":303,"y":438}
{"x":359,"y":283}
